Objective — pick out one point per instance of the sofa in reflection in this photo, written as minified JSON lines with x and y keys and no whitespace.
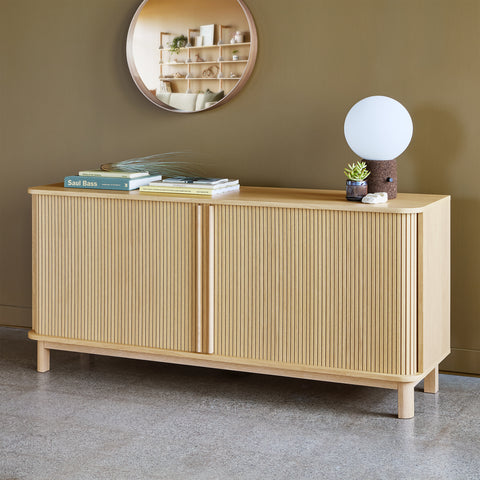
{"x":190,"y":102}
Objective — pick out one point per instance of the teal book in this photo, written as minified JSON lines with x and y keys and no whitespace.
{"x":108,"y":183}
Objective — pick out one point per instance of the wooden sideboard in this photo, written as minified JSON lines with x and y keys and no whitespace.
{"x":299,"y":283}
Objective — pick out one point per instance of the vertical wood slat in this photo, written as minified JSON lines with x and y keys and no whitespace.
{"x":199,"y":275}
{"x":211,"y":275}
{"x":204,"y":250}
{"x":99,"y":263}
{"x":36,"y":239}
{"x":332,"y":289}
{"x":116,"y":271}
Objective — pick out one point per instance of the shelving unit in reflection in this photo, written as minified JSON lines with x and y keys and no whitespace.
{"x":217,"y":66}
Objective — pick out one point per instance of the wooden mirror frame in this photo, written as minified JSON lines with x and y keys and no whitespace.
{"x":252,"y":57}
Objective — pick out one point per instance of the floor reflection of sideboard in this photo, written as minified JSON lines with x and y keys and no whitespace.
{"x":298,"y":283}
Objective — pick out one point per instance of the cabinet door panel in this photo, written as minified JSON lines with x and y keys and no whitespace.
{"x":319,"y":288}
{"x":115,"y":271}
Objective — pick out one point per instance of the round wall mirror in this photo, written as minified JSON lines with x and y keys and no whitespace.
{"x":193,"y":55}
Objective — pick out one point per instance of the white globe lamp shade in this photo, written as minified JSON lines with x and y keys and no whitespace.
{"x":378,"y":128}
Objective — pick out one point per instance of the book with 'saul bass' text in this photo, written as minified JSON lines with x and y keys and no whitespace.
{"x":108,"y":183}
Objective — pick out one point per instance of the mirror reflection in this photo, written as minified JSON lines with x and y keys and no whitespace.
{"x":191,"y":55}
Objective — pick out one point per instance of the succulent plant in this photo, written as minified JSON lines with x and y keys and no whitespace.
{"x":357,"y":172}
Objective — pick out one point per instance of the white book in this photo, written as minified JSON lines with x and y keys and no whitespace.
{"x":221,"y":191}
{"x":195,"y":180}
{"x":207,"y":186}
{"x":113,"y":174}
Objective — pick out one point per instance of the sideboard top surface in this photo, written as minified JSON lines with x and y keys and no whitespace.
{"x":262,"y":197}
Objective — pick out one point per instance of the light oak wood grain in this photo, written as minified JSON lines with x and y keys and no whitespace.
{"x":211,"y":279}
{"x":262,"y":197}
{"x":276,"y":281}
{"x":430,"y":383}
{"x":199,"y":275}
{"x":322,"y":288}
{"x":217,"y":361}
{"x":43,"y":357}
{"x":115,"y":271}
{"x":406,"y":400}
{"x":434,"y":284}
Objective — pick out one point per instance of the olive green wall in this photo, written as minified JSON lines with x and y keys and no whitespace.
{"x":67,"y":102}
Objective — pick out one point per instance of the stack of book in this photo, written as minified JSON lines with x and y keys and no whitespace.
{"x":208,"y":187}
{"x":114,"y":180}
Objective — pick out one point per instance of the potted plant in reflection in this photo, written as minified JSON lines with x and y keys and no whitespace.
{"x":357,"y":186}
{"x":177,"y":43}
{"x":235,"y":55}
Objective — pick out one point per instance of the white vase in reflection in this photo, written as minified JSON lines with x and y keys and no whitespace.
{"x":239,"y":38}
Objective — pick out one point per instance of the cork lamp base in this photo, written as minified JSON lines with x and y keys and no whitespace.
{"x":383,"y":177}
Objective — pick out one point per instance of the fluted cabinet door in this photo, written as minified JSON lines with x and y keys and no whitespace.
{"x":115,"y":271}
{"x":324,"y":288}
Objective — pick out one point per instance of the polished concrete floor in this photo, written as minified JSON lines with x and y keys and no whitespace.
{"x":117,"y":419}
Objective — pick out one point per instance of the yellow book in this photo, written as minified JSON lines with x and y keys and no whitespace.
{"x":205,"y":192}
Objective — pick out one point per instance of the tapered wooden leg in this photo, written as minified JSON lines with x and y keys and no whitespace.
{"x":406,"y":400}
{"x":430,"y":382}
{"x":43,"y":357}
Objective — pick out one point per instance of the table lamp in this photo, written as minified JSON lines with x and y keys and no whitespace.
{"x":379,"y":129}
